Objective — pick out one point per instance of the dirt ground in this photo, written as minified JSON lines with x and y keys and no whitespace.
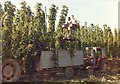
{"x":110,"y":76}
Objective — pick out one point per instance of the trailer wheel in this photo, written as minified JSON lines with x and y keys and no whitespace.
{"x":10,"y":70}
{"x":89,"y":71}
{"x":69,"y":72}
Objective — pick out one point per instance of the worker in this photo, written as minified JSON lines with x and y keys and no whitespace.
{"x":66,"y":25}
{"x":69,"y":22}
{"x":98,"y":57}
{"x":74,"y":21}
{"x":73,"y":26}
{"x":95,"y":58}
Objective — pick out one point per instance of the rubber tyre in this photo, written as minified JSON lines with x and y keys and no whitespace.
{"x":11,"y":70}
{"x":69,"y":72}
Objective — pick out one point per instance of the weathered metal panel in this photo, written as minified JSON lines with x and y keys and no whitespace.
{"x":78,"y":57}
{"x":64,"y":58}
{"x":46,"y":60}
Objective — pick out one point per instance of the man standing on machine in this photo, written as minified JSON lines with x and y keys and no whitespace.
{"x":73,"y":26}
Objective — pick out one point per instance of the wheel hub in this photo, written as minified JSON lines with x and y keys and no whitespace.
{"x":8,"y":71}
{"x":69,"y":72}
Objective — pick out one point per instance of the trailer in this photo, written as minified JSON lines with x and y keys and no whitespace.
{"x":47,"y":65}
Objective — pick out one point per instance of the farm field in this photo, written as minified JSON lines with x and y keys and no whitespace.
{"x":38,"y":47}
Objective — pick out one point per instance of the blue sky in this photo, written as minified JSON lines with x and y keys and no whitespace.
{"x":92,"y":11}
